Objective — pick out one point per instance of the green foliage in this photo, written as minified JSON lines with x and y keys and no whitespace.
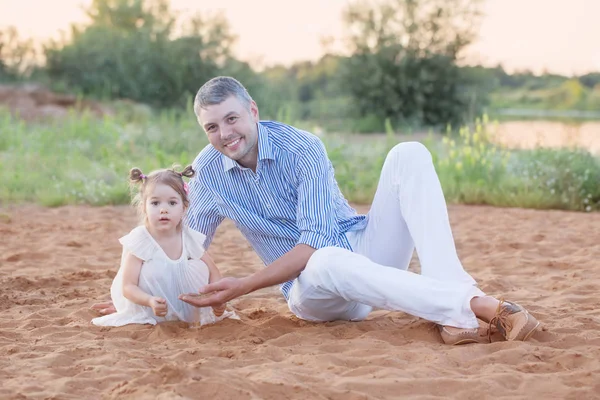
{"x":568,"y":178}
{"x":83,"y":160}
{"x":402,"y":67}
{"x":369,"y":123}
{"x":590,"y":80}
{"x":311,"y":89}
{"x":130,"y":50}
{"x":357,"y":165}
{"x":470,"y":165}
{"x":569,"y":95}
{"x":403,"y":63}
{"x":474,"y":170}
{"x":16,"y":56}
{"x":414,"y":90}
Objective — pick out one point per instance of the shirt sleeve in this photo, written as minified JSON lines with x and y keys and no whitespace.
{"x":203,"y":215}
{"x":316,"y":216}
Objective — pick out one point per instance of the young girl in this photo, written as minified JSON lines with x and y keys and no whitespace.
{"x":162,"y":258}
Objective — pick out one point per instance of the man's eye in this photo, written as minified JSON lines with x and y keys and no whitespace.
{"x":232,"y":119}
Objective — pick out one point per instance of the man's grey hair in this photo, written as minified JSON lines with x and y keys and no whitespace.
{"x":217,"y":90}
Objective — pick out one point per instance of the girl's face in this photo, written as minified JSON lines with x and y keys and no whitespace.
{"x":164,"y":208}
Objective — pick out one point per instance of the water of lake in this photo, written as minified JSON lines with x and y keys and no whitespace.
{"x":530,"y":134}
{"x":513,"y":134}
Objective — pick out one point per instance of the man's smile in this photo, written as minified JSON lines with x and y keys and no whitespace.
{"x":233,"y":144}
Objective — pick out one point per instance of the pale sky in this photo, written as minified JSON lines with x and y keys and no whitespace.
{"x":561,"y":36}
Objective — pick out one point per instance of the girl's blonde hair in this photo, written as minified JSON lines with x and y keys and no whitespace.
{"x":140,"y":185}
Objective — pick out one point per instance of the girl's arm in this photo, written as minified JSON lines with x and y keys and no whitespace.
{"x":131,"y":276}
{"x":215,"y":275}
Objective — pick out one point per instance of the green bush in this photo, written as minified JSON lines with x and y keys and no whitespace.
{"x":567,"y":178}
{"x":132,"y":50}
{"x":474,"y":170}
{"x":83,"y":160}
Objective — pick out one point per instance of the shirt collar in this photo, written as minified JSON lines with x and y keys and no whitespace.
{"x":265,"y":151}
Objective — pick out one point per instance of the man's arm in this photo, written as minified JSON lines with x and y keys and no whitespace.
{"x":214,"y":276}
{"x":316,"y":222}
{"x":285,"y":268}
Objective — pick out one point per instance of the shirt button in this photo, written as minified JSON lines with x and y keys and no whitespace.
{"x":268,"y":205}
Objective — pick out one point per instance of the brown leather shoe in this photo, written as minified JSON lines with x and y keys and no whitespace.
{"x":457,"y":336}
{"x":513,"y":321}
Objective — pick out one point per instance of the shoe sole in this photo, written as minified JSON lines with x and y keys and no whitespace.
{"x":466,"y":341}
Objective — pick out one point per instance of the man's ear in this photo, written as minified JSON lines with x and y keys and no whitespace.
{"x":254,"y":110}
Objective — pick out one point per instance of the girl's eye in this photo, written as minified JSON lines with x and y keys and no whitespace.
{"x":154,"y":203}
{"x":173,"y":203}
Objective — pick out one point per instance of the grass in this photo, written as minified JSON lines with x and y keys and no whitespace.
{"x":84,"y":160}
{"x":473,"y":170}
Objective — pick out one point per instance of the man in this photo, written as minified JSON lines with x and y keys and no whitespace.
{"x":278,"y":186}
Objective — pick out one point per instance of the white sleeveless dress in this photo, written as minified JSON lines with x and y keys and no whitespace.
{"x":162,"y":277}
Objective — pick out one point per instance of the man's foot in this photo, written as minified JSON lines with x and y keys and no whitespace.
{"x":513,"y":321}
{"x":456,"y":336}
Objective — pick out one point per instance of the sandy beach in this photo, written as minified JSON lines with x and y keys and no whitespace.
{"x":55,"y":263}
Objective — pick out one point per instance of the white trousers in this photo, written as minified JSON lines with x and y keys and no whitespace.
{"x":408,"y":211}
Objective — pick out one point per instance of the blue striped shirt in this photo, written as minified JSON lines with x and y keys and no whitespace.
{"x":292,"y":197}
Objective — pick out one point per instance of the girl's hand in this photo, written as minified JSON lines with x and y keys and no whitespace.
{"x":219,"y":310}
{"x":159,"y":306}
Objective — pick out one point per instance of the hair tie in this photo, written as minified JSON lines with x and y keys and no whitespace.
{"x":142,"y":176}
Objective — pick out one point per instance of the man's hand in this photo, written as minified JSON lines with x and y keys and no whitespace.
{"x":216,"y":294}
{"x":158,"y":305}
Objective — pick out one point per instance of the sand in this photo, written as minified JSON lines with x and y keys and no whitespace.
{"x":34,"y":102}
{"x":55,"y":263}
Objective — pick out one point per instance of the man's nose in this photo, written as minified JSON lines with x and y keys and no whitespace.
{"x":226,"y":132}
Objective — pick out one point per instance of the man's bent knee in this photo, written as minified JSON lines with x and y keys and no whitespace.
{"x":322,"y":262}
{"x":410,"y":151}
{"x":326,"y":255}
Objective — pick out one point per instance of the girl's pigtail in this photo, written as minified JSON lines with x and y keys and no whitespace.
{"x":188,"y":172}
{"x":136,"y":176}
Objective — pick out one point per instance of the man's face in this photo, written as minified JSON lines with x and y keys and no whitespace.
{"x":231,"y":129}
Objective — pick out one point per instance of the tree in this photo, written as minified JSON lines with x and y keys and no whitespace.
{"x":590,"y":80}
{"x":129,"y":16}
{"x":135,"y":49}
{"x":404,"y":53}
{"x":17,"y":56}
